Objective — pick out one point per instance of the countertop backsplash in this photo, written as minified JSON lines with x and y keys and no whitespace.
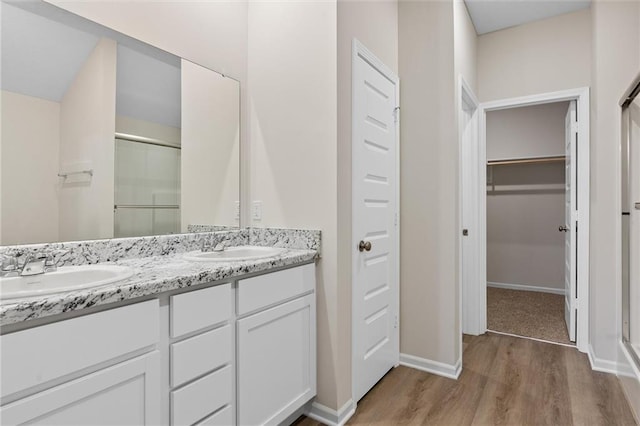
{"x":112,"y":250}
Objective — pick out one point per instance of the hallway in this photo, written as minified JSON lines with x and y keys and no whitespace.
{"x":505,"y":380}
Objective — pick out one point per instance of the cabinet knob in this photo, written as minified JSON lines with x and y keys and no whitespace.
{"x":362,"y":246}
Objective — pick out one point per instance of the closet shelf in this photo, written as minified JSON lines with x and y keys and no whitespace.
{"x":527,"y":160}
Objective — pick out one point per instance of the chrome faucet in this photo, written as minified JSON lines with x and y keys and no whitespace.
{"x":34,"y":264}
{"x":9,"y":266}
{"x":208,"y":247}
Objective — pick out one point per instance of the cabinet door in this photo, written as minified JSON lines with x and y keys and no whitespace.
{"x":276,"y":362}
{"x":124,"y":394}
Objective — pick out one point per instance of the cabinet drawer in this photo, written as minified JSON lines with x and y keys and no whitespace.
{"x":196,"y":356}
{"x":44,"y":353}
{"x":223,"y":417}
{"x":264,"y":290}
{"x":202,"y":397}
{"x":199,"y":309}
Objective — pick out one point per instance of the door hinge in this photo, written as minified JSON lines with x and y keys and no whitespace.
{"x":395,"y":322}
{"x":395,"y":220}
{"x":396,"y":114}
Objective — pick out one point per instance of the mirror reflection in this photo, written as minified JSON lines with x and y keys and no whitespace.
{"x":105,"y":136}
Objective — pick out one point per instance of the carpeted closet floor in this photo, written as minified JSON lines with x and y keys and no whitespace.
{"x":527,"y":313}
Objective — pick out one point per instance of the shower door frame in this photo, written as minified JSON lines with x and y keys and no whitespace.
{"x":626,"y":206}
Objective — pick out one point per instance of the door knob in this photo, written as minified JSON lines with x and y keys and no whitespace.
{"x":362,"y":246}
{"x":563,"y":228}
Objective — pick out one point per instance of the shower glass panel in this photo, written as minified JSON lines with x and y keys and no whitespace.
{"x":631,"y":221}
{"x":147,"y":189}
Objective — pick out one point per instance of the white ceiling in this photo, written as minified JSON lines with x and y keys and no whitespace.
{"x":43,"y":48}
{"x":494,"y":15}
{"x":40,"y":57}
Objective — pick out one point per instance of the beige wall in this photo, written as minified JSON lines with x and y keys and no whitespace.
{"x":543,"y":56}
{"x":292,"y":87}
{"x":534,"y":131}
{"x":29,"y":204}
{"x":525,"y":203}
{"x":429,"y":324}
{"x":465,"y":45}
{"x":210,"y":169}
{"x":379,"y":33}
{"x":615,"y":46}
{"x":87,"y":127}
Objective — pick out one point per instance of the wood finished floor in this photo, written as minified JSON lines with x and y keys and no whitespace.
{"x":505,"y":381}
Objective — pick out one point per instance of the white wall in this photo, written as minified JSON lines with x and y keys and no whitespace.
{"x":29,"y":205}
{"x":543,"y":56}
{"x":87,"y":127}
{"x":210,"y":147}
{"x":429,"y":316}
{"x":379,"y":33}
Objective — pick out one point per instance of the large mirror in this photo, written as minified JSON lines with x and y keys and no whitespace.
{"x":104,"y":136}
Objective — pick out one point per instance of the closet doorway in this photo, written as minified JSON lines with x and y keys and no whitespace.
{"x":533,"y":186}
{"x":530,"y":268}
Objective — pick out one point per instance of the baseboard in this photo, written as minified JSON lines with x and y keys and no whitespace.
{"x":629,"y":377}
{"x":435,"y":367}
{"x":523,"y":287}
{"x":329,"y":416}
{"x":602,"y":365}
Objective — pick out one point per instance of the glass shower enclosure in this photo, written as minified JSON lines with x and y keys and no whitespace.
{"x":147,"y":187}
{"x":630,"y":209}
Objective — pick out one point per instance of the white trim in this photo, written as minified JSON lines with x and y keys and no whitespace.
{"x":451,"y":371}
{"x":329,"y":416}
{"x":523,"y":287}
{"x":469,"y":321}
{"x":359,"y":50}
{"x":629,"y":376}
{"x":531,"y":338}
{"x":602,"y":365}
{"x":581,"y":96}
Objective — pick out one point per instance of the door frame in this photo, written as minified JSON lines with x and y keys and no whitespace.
{"x":469,"y":321}
{"x":359,"y":50}
{"x":581,"y":96}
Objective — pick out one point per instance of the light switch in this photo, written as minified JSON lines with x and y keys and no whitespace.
{"x":256,"y":210}
{"x":237,"y":210}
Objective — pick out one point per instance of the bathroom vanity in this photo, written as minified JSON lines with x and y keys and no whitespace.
{"x":206,"y":343}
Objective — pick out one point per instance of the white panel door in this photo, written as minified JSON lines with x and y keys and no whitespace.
{"x":571,"y":224}
{"x":375,"y":236}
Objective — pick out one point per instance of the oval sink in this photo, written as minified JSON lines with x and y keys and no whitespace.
{"x":234,"y":254}
{"x":66,"y":278}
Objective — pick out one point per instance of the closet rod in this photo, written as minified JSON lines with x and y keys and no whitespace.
{"x":142,"y":139}
{"x":554,"y":159}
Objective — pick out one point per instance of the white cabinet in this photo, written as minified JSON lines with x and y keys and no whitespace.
{"x":76,"y":372}
{"x":202,"y":376}
{"x":231,"y":353}
{"x":124,"y":394}
{"x":277,"y":350}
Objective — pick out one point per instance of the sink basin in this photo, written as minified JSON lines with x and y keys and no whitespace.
{"x":234,"y":254}
{"x":66,"y":278}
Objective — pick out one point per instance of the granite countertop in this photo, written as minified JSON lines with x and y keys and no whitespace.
{"x":152,"y":275}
